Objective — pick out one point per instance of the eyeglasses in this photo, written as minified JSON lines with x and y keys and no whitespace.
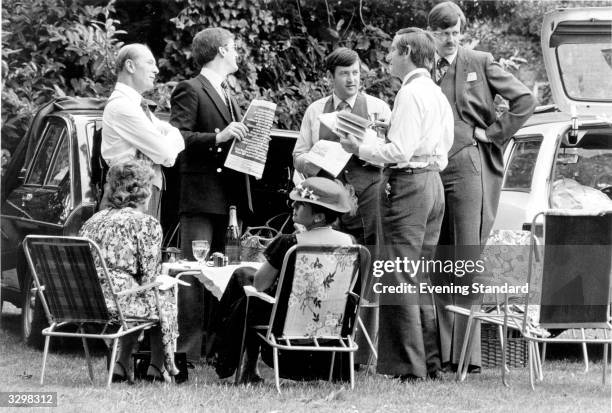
{"x":440,"y":34}
{"x":230,"y":46}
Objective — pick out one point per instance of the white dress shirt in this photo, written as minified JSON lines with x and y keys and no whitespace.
{"x":421,"y":130}
{"x":215,"y":80}
{"x":309,"y":131}
{"x":126,"y":129}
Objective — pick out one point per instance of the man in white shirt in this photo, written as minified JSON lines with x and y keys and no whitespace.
{"x":419,"y":137}
{"x":129,"y":129}
{"x":343,"y":71}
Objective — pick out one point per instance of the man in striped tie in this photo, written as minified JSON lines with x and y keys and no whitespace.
{"x":209,"y":120}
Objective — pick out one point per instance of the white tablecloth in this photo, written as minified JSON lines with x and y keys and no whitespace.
{"x":214,"y":279}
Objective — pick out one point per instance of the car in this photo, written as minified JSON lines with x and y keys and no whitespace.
{"x":562,"y":156}
{"x":53,"y":185}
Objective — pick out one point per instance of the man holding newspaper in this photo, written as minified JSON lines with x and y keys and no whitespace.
{"x":209,"y":120}
{"x":343,"y":70}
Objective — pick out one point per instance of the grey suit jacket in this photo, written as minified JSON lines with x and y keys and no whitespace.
{"x":478,"y":78}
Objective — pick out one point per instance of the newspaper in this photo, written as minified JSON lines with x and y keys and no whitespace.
{"x":328,"y":155}
{"x":249,"y":155}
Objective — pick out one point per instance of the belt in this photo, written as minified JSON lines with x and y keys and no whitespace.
{"x":412,"y":171}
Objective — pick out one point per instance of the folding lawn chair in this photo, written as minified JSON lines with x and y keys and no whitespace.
{"x":575,"y":281}
{"x":508,"y":258}
{"x":315,"y":307}
{"x":69,"y":288}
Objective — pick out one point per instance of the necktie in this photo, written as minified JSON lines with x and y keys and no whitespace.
{"x":343,"y":106}
{"x":228,"y":101}
{"x":145,"y":109}
{"x":441,"y":69}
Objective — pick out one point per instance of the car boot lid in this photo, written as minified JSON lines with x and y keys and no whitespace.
{"x":577,"y":50}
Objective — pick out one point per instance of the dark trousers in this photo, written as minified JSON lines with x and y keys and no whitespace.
{"x":460,"y":236}
{"x":412,"y":214}
{"x":196,"y":305}
{"x":365,"y":226}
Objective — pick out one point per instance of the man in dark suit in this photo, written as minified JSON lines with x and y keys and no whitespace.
{"x":472,"y":180}
{"x":207,"y":116}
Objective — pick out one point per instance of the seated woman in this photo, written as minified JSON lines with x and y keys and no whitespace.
{"x":317,"y":204}
{"x":130,"y":241}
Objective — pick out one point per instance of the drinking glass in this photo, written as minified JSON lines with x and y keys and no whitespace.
{"x":200,"y":250}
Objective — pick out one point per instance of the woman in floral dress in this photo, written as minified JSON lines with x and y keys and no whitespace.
{"x":130,"y":242}
{"x":317,"y":204}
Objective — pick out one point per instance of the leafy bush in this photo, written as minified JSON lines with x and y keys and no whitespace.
{"x":51,"y":48}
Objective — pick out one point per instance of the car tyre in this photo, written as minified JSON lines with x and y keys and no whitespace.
{"x":33,"y":318}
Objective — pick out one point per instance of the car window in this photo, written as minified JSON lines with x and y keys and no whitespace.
{"x":588,"y":164}
{"x":587,"y":70}
{"x":40,"y":166}
{"x":61,"y":164}
{"x":521,"y":165}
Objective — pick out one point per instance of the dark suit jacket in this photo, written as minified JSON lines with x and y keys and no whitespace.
{"x":206,"y":186}
{"x":474,"y":100}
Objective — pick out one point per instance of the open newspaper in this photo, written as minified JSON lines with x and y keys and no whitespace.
{"x":329,"y":155}
{"x":249,"y":155}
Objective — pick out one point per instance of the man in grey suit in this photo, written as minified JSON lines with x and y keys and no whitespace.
{"x":472,"y":180}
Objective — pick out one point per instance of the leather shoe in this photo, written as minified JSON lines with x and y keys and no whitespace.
{"x":408,"y":378}
{"x":121,"y":378}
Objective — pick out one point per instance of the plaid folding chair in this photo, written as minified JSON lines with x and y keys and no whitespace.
{"x":316,"y":306}
{"x":69,"y":288}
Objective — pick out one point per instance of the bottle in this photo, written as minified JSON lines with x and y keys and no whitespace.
{"x":232,"y":238}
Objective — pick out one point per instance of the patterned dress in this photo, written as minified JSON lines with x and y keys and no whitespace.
{"x":130,"y":242}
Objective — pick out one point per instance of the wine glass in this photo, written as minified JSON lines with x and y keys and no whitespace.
{"x":200,"y":250}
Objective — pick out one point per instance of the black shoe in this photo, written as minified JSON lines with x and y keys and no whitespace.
{"x":472,"y":369}
{"x":434,"y":375}
{"x":121,"y":378}
{"x":408,"y":378}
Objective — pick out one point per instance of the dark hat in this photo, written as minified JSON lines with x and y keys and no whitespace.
{"x":324,"y":192}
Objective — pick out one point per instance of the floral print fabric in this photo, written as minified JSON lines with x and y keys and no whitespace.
{"x":130,"y":242}
{"x":318,"y":295}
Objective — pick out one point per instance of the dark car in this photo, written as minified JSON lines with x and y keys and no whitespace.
{"x":52,"y":186}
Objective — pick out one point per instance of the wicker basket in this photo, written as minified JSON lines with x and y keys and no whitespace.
{"x":516,"y":348}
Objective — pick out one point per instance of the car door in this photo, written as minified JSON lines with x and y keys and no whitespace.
{"x":42,"y":202}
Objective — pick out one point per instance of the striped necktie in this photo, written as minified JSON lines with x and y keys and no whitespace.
{"x":228,"y":101}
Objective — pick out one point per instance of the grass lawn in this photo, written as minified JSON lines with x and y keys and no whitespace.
{"x":566,"y":388}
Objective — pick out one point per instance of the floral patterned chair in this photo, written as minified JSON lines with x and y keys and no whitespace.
{"x":316,"y":303}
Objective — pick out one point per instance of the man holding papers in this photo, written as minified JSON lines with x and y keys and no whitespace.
{"x":419,"y":138}
{"x":343,"y":70}
{"x":208,"y":117}
{"x":344,"y":74}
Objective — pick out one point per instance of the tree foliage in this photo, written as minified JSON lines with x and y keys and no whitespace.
{"x":51,"y":48}
{"x":67,"y":46}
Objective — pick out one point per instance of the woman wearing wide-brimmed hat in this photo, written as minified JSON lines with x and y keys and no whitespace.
{"x":317,"y":204}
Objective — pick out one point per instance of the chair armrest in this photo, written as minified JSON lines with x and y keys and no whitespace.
{"x":250,"y":291}
{"x":139,"y":288}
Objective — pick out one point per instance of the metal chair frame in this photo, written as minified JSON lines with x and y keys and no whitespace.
{"x":125,"y":325}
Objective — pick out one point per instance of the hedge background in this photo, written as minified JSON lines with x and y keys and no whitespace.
{"x":66,"y":47}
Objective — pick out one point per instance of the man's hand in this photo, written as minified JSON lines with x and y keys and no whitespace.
{"x":480,"y":135}
{"x":381,"y":124}
{"x":237,"y":130}
{"x":350,"y":143}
